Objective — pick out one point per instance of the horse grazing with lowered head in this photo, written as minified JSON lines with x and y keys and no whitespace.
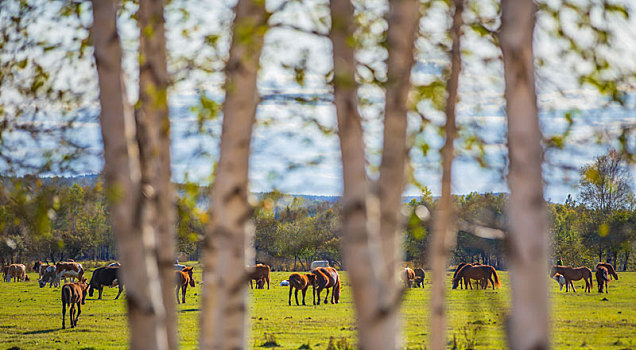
{"x":481,"y":273}
{"x":407,"y":275}
{"x":255,"y":273}
{"x":301,"y":282}
{"x":602,"y":278}
{"x":419,"y":277}
{"x":184,"y":277}
{"x":610,"y":269}
{"x":326,"y":277}
{"x":574,"y":274}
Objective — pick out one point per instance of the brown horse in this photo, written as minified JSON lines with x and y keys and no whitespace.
{"x":184,"y":277}
{"x":407,"y":275}
{"x":459,"y":267}
{"x":73,"y":294}
{"x":419,"y":277}
{"x":301,"y":282}
{"x":602,"y":278}
{"x":610,"y":269}
{"x":257,"y":272}
{"x":574,"y":274}
{"x":482,"y":273}
{"x":326,"y":277}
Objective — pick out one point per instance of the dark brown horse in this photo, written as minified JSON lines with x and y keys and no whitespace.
{"x":610,"y":269}
{"x":459,"y":267}
{"x":301,"y":282}
{"x":184,"y":277}
{"x":326,"y":277}
{"x":407,"y":275}
{"x":482,"y":273}
{"x":602,"y":278}
{"x":257,"y":272}
{"x":574,"y":274}
{"x":419,"y":277}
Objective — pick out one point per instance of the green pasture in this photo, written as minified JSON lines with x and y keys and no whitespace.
{"x":30,"y":318}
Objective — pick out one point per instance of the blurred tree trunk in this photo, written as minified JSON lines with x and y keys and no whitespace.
{"x":153,"y":122}
{"x":372,"y":255}
{"x":135,"y":239}
{"x":403,"y":20}
{"x":223,"y":317}
{"x":528,"y":242}
{"x":444,"y":231}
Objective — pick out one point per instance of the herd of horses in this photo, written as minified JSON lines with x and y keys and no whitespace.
{"x":321,"y":278}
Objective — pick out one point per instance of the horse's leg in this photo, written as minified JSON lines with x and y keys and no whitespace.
{"x":318,"y":294}
{"x":267,"y":282}
{"x":63,"y":313}
{"x":251,"y":286}
{"x":177,"y":292}
{"x":296,"y":296}
{"x":184,"y":289}
{"x":120,"y":289}
{"x":101,"y":290}
{"x":304,"y":292}
{"x":79,"y":311}
{"x":572,"y":285}
{"x":491,"y":281}
{"x":72,"y":314}
{"x":327,"y":295}
{"x":290,"y":293}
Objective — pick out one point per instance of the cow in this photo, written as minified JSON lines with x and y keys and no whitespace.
{"x":40,"y":267}
{"x":49,"y":276}
{"x":105,"y":276}
{"x":17,"y":272}
{"x":319,"y":263}
{"x":5,"y":272}
{"x":69,"y":269}
{"x":73,"y":294}
{"x":257,"y":272}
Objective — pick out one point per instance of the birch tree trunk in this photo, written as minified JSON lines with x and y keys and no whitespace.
{"x":528,"y":245}
{"x":403,"y":24}
{"x":223,"y":318}
{"x":135,"y":241}
{"x":153,"y":133}
{"x":444,"y":230}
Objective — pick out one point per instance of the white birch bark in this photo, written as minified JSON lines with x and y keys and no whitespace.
{"x":403,"y":21}
{"x":444,"y":230}
{"x":154,"y":142}
{"x":223,"y":317}
{"x":135,"y":241}
{"x":528,"y":245}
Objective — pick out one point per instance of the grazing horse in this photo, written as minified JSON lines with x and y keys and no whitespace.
{"x":482,"y":273}
{"x":610,"y":269}
{"x":301,"y":282}
{"x":602,"y":278}
{"x":407,"y":275}
{"x":257,"y":272}
{"x":73,"y":294}
{"x":574,"y":274}
{"x":459,"y":267}
{"x":419,"y":277}
{"x":326,"y":277}
{"x":560,"y":280}
{"x":184,"y":277}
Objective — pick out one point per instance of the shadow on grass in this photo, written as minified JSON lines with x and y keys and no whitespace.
{"x":43,"y":331}
{"x":188,"y":310}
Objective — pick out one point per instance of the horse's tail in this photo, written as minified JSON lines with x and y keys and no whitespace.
{"x":494,"y":273}
{"x":336,"y":290}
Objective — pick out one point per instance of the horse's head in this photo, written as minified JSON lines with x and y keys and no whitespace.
{"x":455,"y":282}
{"x":311,"y":278}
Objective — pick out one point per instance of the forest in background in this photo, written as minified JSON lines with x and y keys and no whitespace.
{"x":293,"y":230}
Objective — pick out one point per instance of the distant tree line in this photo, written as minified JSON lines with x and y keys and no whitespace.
{"x":292,"y":232}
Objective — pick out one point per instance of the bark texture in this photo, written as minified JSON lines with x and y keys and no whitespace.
{"x":153,"y":134}
{"x":403,"y":21}
{"x":223,"y":318}
{"x":135,"y":240}
{"x":528,"y":245}
{"x":372,"y":254}
{"x":444,"y":230}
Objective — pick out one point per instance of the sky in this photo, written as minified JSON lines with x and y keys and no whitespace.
{"x":290,"y":154}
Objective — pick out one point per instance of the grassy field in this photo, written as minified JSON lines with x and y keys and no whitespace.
{"x":30,"y":318}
